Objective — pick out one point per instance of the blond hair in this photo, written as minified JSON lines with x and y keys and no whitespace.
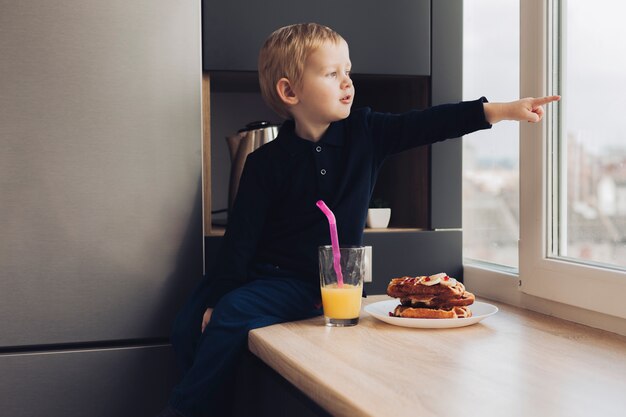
{"x":284,"y":55}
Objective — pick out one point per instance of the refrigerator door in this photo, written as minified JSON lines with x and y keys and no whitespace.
{"x":100,"y":168}
{"x":89,"y":383}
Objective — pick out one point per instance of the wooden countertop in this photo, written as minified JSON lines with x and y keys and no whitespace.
{"x":514,"y":363}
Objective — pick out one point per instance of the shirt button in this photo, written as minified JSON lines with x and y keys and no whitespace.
{"x":318,"y":149}
{"x":323,"y":172}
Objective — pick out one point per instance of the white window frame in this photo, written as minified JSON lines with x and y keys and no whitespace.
{"x":587,"y":286}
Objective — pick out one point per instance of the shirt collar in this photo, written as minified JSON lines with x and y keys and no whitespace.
{"x":294,"y":144}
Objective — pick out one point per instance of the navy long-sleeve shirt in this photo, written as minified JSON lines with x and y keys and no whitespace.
{"x":274,"y":218}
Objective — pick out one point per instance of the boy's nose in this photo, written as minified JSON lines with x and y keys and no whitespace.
{"x":346,"y":82}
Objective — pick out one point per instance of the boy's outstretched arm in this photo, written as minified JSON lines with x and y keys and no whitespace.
{"x":525,"y":110}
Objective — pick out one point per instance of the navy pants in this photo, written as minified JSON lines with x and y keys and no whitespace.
{"x":208,"y":359}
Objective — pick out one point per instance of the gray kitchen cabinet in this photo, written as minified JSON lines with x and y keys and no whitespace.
{"x":119,"y":381}
{"x":385,"y":37}
{"x":101,"y":201}
{"x":100,"y":170}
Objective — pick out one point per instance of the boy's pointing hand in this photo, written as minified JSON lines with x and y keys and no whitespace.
{"x":528,"y":109}
{"x":531,"y":109}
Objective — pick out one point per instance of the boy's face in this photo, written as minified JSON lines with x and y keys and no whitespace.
{"x":326,"y":92}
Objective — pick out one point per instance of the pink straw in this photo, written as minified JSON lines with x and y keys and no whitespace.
{"x":334,"y":240}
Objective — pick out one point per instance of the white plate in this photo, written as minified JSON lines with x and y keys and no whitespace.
{"x":381,"y":311}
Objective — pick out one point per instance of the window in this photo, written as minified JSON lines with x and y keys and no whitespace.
{"x":589,"y":177}
{"x":573,"y":166}
{"x":491,"y":158}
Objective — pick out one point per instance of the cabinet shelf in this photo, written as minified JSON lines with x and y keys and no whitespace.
{"x":404,"y":179}
{"x":218,"y":231}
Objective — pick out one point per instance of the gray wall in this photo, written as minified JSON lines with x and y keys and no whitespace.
{"x":447,"y":87}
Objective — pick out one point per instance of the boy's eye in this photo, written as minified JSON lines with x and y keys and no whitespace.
{"x":348,"y":73}
{"x":332,"y":74}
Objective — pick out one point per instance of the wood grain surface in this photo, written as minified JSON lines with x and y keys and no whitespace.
{"x":206,"y":152}
{"x":515,"y":363}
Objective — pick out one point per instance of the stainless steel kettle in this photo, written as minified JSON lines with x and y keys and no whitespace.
{"x":243,"y":143}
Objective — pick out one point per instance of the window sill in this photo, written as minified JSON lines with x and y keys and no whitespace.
{"x":504,"y":286}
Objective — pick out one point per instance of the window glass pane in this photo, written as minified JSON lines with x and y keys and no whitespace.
{"x":491,"y":157}
{"x":592,"y":184}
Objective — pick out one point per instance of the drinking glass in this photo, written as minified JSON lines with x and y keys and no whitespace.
{"x":342,"y":304}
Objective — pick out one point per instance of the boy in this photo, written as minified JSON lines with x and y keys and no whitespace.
{"x":267,"y":268}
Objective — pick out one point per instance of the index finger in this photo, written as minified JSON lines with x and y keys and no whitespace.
{"x":545,"y":100}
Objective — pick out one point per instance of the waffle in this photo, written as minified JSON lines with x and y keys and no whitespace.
{"x":435,"y":296}
{"x":431,"y":313}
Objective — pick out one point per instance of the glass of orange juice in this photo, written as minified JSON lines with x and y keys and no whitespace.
{"x":342,"y":302}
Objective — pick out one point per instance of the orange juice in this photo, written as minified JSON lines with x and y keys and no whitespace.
{"x":341,"y":303}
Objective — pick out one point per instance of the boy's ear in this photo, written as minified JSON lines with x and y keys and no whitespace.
{"x":286,"y":92}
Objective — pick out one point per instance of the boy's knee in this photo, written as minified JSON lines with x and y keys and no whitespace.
{"x":226,"y":310}
{"x":234,"y":310}
{"x":237,"y":312}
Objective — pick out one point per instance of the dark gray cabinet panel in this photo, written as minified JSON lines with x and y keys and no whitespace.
{"x":385,"y":37}
{"x":413,"y":253}
{"x":94,"y":383}
{"x":447,"y":87}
